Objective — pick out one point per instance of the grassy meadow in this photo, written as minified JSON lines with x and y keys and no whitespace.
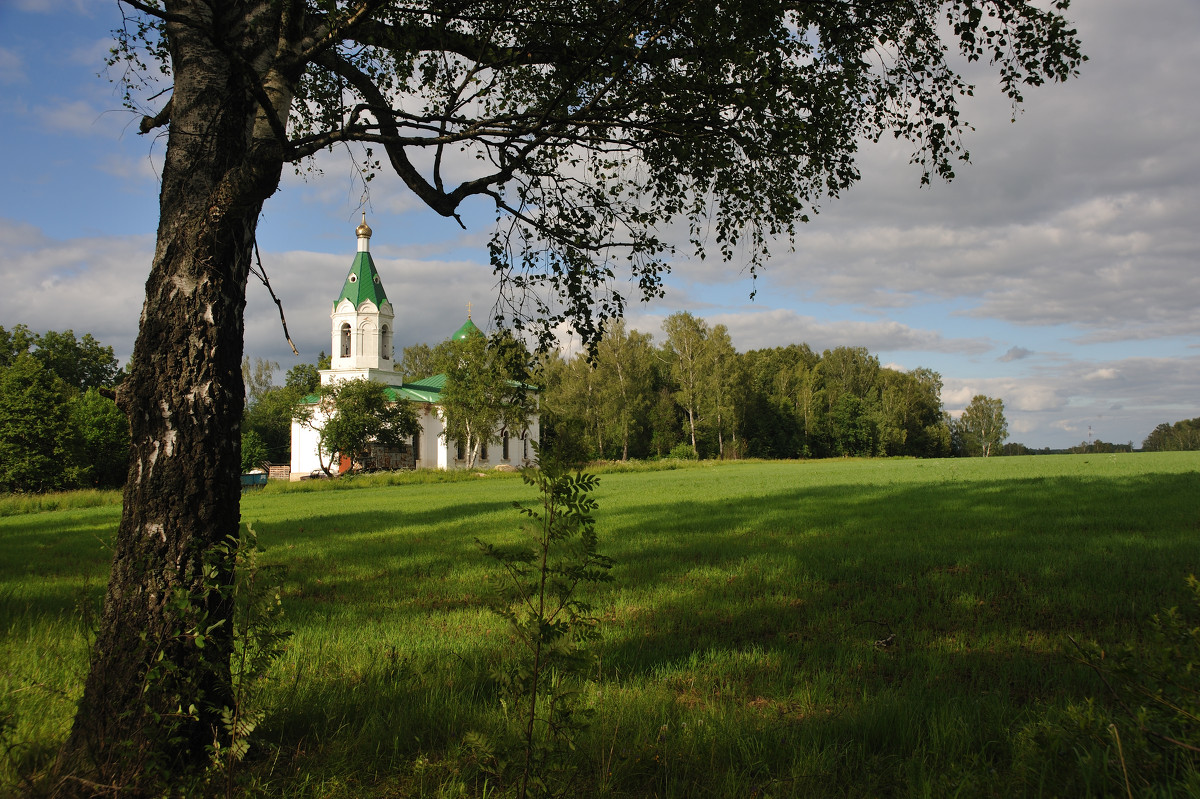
{"x":738,"y":654}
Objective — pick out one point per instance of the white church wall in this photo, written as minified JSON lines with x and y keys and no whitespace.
{"x":305,"y":442}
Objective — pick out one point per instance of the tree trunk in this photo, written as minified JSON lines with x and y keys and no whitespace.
{"x":159,"y":672}
{"x":720,"y":438}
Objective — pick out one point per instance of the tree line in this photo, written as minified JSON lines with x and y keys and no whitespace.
{"x":695,"y":395}
{"x":59,"y":425}
{"x":1183,"y":435}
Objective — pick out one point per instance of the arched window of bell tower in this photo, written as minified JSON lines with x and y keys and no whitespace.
{"x":385,"y":343}
{"x":345,"y":339}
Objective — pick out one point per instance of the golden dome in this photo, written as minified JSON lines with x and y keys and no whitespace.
{"x":362,"y":231}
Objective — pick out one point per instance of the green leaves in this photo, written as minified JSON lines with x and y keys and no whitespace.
{"x":982,"y":427}
{"x":362,"y":415}
{"x":597,"y":129}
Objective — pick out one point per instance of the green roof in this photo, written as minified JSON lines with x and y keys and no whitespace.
{"x":428,"y":389}
{"x":362,"y":283}
{"x":468,"y":329}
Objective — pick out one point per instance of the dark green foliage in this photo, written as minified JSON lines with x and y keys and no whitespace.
{"x":1096,"y":447}
{"x":14,"y":342}
{"x":551,"y":625}
{"x":56,"y":429}
{"x":259,"y":639}
{"x":102,"y":439}
{"x":1158,"y":682}
{"x":785,"y":402}
{"x":982,"y":428}
{"x":1143,"y":735}
{"x":418,"y":361}
{"x":485,"y":391}
{"x":267,"y":418}
{"x":303,"y":378}
{"x":361,"y":416}
{"x":682,"y":452}
{"x":81,"y":363}
{"x":850,"y":429}
{"x":37,"y":439}
{"x":254,"y":451}
{"x":1181,"y":436}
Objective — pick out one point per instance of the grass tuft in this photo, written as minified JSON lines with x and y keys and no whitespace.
{"x":21,"y":504}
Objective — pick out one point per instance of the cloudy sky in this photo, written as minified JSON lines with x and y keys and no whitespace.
{"x":1060,"y":271}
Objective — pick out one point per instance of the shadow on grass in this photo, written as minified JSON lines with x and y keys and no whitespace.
{"x":769,"y":601}
{"x":53,"y":562}
{"x":951,"y":567}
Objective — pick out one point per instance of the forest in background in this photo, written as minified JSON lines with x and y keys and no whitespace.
{"x":59,"y":425}
{"x":691,"y":396}
{"x":694,"y":395}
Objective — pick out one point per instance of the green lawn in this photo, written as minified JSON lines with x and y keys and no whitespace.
{"x":738,"y":654}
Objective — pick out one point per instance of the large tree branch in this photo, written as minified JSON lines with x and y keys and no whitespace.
{"x":149,"y":123}
{"x":157,"y":13}
{"x":444,"y":203}
{"x":326,"y":34}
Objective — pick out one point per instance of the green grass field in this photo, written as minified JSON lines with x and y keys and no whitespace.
{"x":738,"y":655}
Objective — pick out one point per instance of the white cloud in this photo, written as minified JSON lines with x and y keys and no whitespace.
{"x":146,"y":168}
{"x":92,"y":54}
{"x":92,"y":285}
{"x":53,"y":6}
{"x":68,"y":116}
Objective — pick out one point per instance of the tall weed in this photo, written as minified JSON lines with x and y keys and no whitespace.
{"x":551,"y":627}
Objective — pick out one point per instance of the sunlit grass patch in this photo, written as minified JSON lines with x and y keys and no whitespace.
{"x":18,"y":504}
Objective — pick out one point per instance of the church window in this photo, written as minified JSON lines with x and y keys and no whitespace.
{"x":416,"y":447}
{"x":353,"y":278}
{"x":462,"y":452}
{"x":504,"y":450}
{"x":483,"y":450}
{"x":345,"y":340}
{"x":525,"y":445}
{"x":386,"y":345}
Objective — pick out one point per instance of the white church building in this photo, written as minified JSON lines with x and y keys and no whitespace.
{"x":363,"y":349}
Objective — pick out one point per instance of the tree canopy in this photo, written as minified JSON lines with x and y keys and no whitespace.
{"x":1183,"y":435}
{"x":57,"y":431}
{"x":359,"y":416}
{"x":633,"y":399}
{"x":486,"y":390}
{"x":982,"y":427}
{"x":591,"y":126}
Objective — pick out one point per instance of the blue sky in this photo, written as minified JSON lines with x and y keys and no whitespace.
{"x":1060,"y":271}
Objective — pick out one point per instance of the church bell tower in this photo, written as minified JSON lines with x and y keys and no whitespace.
{"x":363,"y":321}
